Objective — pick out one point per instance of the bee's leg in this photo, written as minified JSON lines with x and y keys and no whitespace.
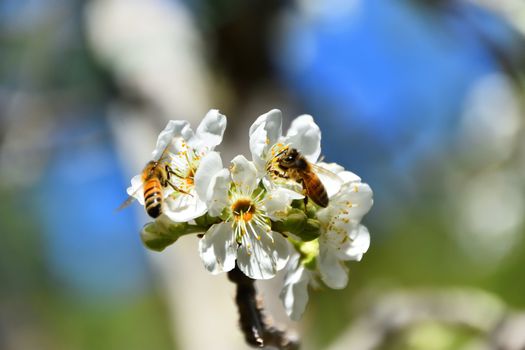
{"x":170,"y":171}
{"x":305,"y":194}
{"x":169,"y":183}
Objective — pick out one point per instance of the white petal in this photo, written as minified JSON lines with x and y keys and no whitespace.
{"x":359,"y":195}
{"x":358,"y":245}
{"x":184,"y":207}
{"x":209,"y":132}
{"x":262,"y":258}
{"x":212,"y":183}
{"x":208,"y":168}
{"x":352,"y":202}
{"x":349,"y":176}
{"x":294,"y":294}
{"x":174,"y":129}
{"x":136,"y":189}
{"x":305,"y":136}
{"x":264,"y":132}
{"x":333,"y":272}
{"x":218,"y":248}
{"x":281,"y":252}
{"x":217,"y":197}
{"x":244,"y":175}
{"x":277,"y":202}
{"x":292,"y":188}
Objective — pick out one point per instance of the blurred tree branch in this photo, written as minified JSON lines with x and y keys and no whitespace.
{"x":489,"y":322}
{"x":256,"y":326}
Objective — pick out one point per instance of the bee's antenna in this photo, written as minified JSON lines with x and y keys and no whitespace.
{"x":281,"y":152}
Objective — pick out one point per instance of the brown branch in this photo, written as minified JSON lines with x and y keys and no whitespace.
{"x":256,"y":327}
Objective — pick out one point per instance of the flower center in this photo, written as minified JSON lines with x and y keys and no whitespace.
{"x":190,"y":177}
{"x":184,"y":165}
{"x":243,"y":209}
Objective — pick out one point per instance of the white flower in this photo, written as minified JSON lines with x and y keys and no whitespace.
{"x":194,"y":164}
{"x":334,"y":272}
{"x":267,"y":141}
{"x":342,"y":238}
{"x":266,"y":132}
{"x":245,"y":235}
{"x":294,"y":294}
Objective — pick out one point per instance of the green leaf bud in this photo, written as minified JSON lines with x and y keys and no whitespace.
{"x":159,"y":234}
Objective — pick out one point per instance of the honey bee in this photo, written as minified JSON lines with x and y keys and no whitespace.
{"x":290,"y":164}
{"x":155,"y":178}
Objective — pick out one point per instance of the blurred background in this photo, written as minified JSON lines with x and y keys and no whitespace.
{"x":423,"y":99}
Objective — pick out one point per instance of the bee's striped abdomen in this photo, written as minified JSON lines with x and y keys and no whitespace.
{"x":153,"y":197}
{"x":315,"y":189}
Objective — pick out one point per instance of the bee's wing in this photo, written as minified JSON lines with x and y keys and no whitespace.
{"x":161,"y":158}
{"x":326,"y":173}
{"x":126,"y":203}
{"x":330,"y":180}
{"x":164,"y":153}
{"x":131,"y":198}
{"x":170,"y":147}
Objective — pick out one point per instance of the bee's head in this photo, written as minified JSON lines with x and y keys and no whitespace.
{"x":288,"y":158}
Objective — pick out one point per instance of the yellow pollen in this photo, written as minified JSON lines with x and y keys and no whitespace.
{"x":247,"y":216}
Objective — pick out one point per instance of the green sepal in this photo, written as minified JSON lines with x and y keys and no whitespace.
{"x":312,"y":230}
{"x":298,"y":204}
{"x":308,"y":251}
{"x":310,"y":263}
{"x":310,"y":210}
{"x":206,"y":221}
{"x":299,"y":224}
{"x":225,"y":214}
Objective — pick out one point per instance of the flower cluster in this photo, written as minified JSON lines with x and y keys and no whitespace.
{"x":281,"y":210}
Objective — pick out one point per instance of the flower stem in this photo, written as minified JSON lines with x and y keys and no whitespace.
{"x":258,"y":332}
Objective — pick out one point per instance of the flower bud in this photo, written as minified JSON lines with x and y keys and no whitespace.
{"x":299,"y":224}
{"x":311,"y":230}
{"x":157,"y":235}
